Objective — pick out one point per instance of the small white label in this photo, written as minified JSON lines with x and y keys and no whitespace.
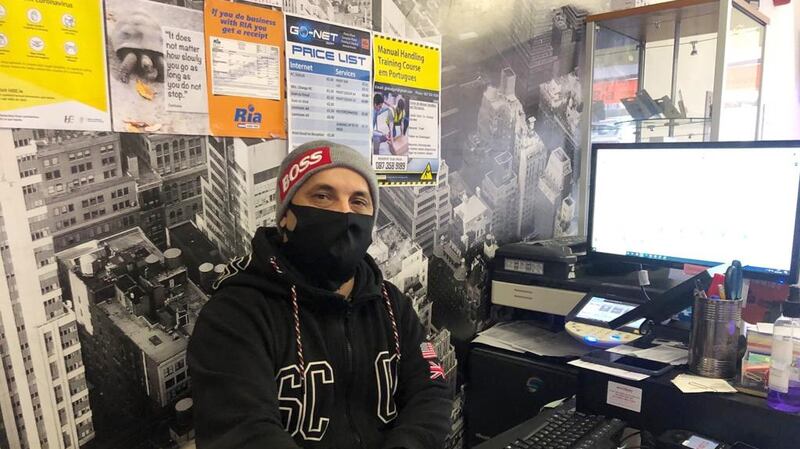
{"x":624,"y":396}
{"x":695,"y":442}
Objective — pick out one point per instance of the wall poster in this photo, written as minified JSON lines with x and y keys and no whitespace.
{"x":52,"y":65}
{"x":405,"y":117}
{"x":157,"y":63}
{"x":329,"y":69}
{"x":245,"y":71}
{"x":357,"y":13}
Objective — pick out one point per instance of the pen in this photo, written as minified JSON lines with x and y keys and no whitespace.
{"x":722,"y":295}
{"x":734,"y":280}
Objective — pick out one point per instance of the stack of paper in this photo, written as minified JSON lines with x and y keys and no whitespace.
{"x":696,"y":384}
{"x":524,"y":336}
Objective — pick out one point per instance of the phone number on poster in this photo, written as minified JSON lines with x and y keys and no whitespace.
{"x":390,"y":165}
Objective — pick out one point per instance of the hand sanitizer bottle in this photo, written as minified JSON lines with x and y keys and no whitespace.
{"x":784,"y":370}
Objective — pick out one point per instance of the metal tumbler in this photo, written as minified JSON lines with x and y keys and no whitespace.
{"x":713,"y":344}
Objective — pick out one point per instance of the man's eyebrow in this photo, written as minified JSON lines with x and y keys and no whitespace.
{"x":362,"y":194}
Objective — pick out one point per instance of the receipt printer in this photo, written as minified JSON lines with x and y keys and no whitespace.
{"x":530,"y":276}
{"x":555,"y":262}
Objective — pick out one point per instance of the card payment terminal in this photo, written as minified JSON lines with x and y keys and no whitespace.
{"x":588,"y":321}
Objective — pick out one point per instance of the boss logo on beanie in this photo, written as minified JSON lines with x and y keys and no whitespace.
{"x":313,"y":158}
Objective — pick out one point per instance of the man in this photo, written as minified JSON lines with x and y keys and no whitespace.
{"x":303,"y":344}
{"x":382,"y":119}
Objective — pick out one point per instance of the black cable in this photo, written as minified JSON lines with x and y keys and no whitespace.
{"x":638,"y":432}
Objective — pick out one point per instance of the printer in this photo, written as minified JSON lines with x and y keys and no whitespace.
{"x":554,"y":276}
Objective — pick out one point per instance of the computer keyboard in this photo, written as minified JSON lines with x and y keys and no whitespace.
{"x":570,"y":429}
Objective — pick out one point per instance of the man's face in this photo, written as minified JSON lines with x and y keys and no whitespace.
{"x":336,"y":189}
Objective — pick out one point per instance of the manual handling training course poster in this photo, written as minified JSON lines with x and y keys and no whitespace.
{"x":405,"y":115}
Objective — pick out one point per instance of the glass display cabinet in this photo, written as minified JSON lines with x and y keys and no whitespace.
{"x":658,"y":72}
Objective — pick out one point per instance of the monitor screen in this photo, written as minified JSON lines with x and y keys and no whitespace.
{"x":704,"y":204}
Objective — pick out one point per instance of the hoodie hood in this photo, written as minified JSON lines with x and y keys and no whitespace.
{"x":269,"y":271}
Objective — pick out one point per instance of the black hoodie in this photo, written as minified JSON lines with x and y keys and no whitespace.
{"x":252,"y":341}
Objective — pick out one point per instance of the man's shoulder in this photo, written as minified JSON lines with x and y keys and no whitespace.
{"x":241,"y":300}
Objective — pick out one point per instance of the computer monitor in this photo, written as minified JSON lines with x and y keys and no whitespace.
{"x":705,"y":203}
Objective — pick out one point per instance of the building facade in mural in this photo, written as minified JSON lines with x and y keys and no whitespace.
{"x":239,"y":191}
{"x":178,"y":164}
{"x":139,"y":304}
{"x":44,"y":398}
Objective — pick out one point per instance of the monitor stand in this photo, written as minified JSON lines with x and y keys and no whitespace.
{"x":674,"y":300}
{"x":600,"y":267}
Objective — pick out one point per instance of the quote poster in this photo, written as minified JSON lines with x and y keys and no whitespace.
{"x":405,"y":115}
{"x":157,"y":62}
{"x":244,"y":50}
{"x":53,"y":65}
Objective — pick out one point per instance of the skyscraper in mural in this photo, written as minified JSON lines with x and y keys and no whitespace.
{"x":172,"y":168}
{"x":78,"y":177}
{"x":420,"y":211}
{"x":530,"y":157}
{"x":239,"y":193}
{"x":553,"y":188}
{"x":44,"y":399}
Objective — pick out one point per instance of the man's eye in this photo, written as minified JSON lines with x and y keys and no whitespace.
{"x":321,"y":196}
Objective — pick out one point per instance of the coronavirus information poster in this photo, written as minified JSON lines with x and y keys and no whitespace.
{"x":405,"y":111}
{"x":53,"y":66}
{"x":329,"y":70}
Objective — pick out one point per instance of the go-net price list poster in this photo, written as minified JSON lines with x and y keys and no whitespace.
{"x":329,"y":76}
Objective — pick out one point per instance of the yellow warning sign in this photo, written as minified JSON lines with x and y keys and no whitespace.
{"x":427,"y":175}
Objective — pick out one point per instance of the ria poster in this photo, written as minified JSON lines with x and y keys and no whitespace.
{"x":329,"y":70}
{"x":405,"y":116}
{"x":246,"y":83}
{"x":157,"y":62}
{"x":53,"y":66}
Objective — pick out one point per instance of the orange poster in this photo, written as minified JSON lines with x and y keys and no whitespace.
{"x":245,"y":70}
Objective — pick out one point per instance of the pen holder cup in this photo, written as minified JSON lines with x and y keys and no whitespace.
{"x":714,"y":341}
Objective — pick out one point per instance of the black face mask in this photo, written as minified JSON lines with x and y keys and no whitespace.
{"x":327,"y":246}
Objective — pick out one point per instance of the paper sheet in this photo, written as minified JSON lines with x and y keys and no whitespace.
{"x":661,"y":353}
{"x":664,"y":354}
{"x":624,"y":350}
{"x":496,"y":343}
{"x":609,"y":370}
{"x":688,"y":383}
{"x":522,"y":336}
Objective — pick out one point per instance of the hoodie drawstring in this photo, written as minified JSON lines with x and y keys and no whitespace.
{"x":297,"y":336}
{"x":296,"y":314}
{"x":396,"y":334}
